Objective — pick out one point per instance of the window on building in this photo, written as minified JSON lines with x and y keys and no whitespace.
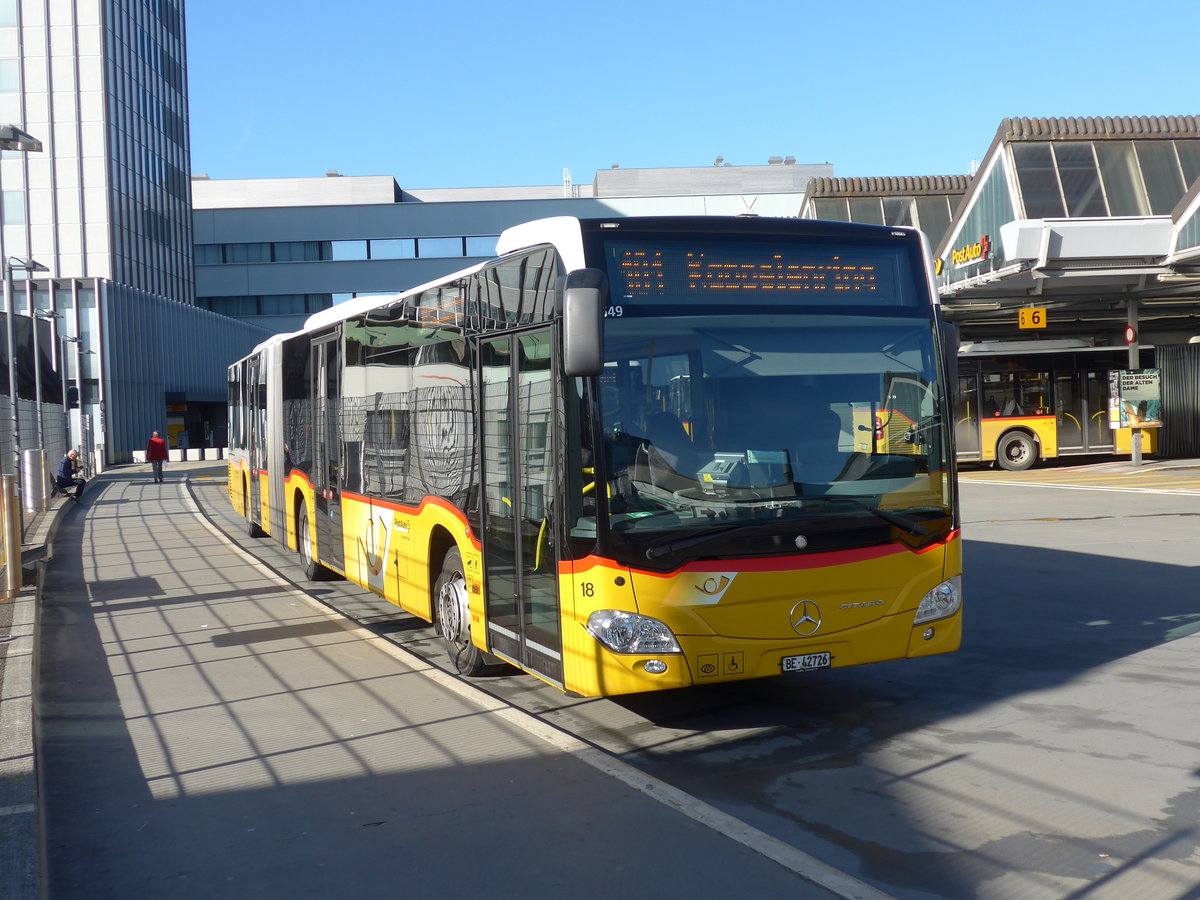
{"x":1038,"y":180}
{"x":933,"y":217}
{"x":394,"y":248}
{"x":208,"y":254}
{"x":247,"y":253}
{"x":897,"y":211}
{"x":1189,"y":158}
{"x":1080,"y":179}
{"x":1122,"y":179}
{"x":231,"y":306}
{"x":439,"y":248}
{"x":284,"y":305}
{"x":12,"y":207}
{"x":349,"y":250}
{"x":484,"y":245}
{"x":8,"y":13}
{"x":1163,"y":177}
{"x":301,"y":251}
{"x":10,"y":76}
{"x":833,"y":210}
{"x":868,"y":211}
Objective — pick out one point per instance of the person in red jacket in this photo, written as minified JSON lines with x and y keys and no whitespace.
{"x":156,"y":452}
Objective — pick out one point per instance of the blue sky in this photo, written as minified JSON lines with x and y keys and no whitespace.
{"x":472,"y":94}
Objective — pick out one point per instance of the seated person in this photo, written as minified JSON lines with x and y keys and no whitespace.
{"x":65,"y":477}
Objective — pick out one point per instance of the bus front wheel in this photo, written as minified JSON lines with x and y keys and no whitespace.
{"x":454,"y":616}
{"x":1016,"y":451}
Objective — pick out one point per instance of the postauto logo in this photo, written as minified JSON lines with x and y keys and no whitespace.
{"x":972,"y":253}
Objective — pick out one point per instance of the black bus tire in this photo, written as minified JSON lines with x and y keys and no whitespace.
{"x":1016,"y":451}
{"x":253,"y":529}
{"x":454,"y":616}
{"x":313,"y":570}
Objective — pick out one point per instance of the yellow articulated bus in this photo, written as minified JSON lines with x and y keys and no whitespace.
{"x":1020,"y":402}
{"x":630,"y":454}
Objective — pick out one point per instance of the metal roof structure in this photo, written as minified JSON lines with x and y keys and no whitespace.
{"x":888,"y":186}
{"x":1083,"y":217}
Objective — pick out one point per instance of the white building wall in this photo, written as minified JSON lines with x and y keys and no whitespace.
{"x":257,"y":221}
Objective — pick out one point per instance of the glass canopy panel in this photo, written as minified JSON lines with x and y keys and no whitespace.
{"x":897,"y":211}
{"x":1080,"y":179}
{"x":1122,"y":179}
{"x":1189,"y":158}
{"x":1038,"y":180}
{"x":833,"y":210}
{"x":1164,"y":179}
{"x":933,"y":217}
{"x":866,"y":211}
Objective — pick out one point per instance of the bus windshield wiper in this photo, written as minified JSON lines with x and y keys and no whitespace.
{"x":656,"y":550}
{"x":904,"y":523}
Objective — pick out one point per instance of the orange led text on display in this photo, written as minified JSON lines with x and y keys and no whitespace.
{"x":647,"y":272}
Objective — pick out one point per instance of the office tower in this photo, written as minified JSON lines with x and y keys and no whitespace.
{"x":97,"y":233}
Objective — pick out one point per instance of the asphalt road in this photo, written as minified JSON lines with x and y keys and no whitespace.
{"x":1054,"y":756}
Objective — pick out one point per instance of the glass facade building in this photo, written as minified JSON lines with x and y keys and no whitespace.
{"x":102,"y":84}
{"x":99,"y":223}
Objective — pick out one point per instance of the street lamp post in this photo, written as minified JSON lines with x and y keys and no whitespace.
{"x":14,"y":138}
{"x":9,"y":346}
{"x":28,"y":266}
{"x":51,"y":317}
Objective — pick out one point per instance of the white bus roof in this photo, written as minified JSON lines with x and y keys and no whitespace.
{"x":561,"y":231}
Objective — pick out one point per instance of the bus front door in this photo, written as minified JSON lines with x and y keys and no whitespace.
{"x":520,"y":561}
{"x":326,"y":370}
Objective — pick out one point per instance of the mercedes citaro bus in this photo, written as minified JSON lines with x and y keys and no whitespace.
{"x":629,"y":454}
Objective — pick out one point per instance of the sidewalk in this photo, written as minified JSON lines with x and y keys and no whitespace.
{"x":18,"y":788}
{"x":205,"y":729}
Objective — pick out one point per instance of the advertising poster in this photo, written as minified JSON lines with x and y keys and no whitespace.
{"x":1136,"y":399}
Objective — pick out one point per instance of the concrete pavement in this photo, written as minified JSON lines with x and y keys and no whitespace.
{"x":18,"y":785}
{"x":207,"y":729}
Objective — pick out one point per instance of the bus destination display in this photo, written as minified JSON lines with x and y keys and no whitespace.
{"x":675,"y":272}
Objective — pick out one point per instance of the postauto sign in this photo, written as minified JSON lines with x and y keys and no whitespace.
{"x":970,"y":254}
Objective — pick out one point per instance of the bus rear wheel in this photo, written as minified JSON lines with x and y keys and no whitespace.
{"x":454,"y":616}
{"x":1016,"y":451}
{"x":313,"y":570}
{"x":253,"y":529}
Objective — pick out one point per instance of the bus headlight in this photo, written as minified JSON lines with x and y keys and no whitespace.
{"x":625,"y":632}
{"x":944,"y":600}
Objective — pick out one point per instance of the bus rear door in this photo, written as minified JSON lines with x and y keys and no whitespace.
{"x":326,"y":363}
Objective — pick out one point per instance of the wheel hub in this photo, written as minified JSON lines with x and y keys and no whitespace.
{"x":453,"y":608}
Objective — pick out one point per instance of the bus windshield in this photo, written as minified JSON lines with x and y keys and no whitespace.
{"x":823,"y":424}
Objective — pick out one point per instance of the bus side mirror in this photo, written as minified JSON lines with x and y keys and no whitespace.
{"x":583,"y":322}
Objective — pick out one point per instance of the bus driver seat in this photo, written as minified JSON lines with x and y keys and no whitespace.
{"x":667,"y":435}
